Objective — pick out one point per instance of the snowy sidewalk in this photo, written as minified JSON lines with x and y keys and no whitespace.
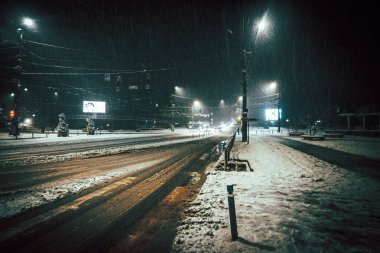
{"x":292,"y":202}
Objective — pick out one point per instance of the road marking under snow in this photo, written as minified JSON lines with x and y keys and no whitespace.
{"x":62,"y":209}
{"x":203,"y":157}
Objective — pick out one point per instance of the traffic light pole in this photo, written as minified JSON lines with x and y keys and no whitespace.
{"x":244,"y":82}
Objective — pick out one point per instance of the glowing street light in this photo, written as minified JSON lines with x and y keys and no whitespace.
{"x":196,"y":104}
{"x":29,"y":23}
{"x":179,"y":90}
{"x":262,"y":25}
{"x":272,"y":86}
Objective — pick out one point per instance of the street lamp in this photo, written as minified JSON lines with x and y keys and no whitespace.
{"x":260,"y":27}
{"x":31,"y":25}
{"x":196,"y":104}
{"x":272,"y":86}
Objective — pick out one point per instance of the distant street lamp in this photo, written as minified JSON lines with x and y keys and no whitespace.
{"x":273,"y":87}
{"x":196,"y":105}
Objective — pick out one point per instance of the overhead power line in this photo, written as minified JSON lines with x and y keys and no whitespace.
{"x":55,"y":46}
{"x":79,"y":68}
{"x":97,"y":73}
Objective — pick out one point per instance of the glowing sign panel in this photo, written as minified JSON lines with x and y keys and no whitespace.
{"x":272,"y":114}
{"x":94,"y":106}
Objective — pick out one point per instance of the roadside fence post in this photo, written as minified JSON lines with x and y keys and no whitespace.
{"x":225,"y":158}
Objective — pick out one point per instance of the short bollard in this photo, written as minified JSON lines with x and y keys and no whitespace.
{"x":231,"y":208}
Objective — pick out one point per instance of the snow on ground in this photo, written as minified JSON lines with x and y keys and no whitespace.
{"x":292,"y":202}
{"x":13,"y":202}
{"x":359,"y":145}
{"x":77,"y":136}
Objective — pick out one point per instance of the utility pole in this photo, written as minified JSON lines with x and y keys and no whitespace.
{"x":15,"y":123}
{"x":278,"y":113}
{"x":171,"y":114}
{"x":244,"y":82}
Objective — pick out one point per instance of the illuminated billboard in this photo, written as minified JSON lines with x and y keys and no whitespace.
{"x":94,"y":106}
{"x":272,"y":114}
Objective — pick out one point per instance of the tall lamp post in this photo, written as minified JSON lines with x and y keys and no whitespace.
{"x":261,"y":26}
{"x":30,"y":24}
{"x":244,"y":77}
{"x":278,"y":112}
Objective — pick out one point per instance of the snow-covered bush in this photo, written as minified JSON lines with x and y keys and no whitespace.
{"x":90,"y":126}
{"x":63,"y":127}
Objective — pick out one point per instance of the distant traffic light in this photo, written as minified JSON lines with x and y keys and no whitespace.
{"x":118,"y":81}
{"x":12,"y":113}
{"x":147,"y":81}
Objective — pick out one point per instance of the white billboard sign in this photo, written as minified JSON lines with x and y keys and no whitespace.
{"x":94,"y":106}
{"x":272,"y":114}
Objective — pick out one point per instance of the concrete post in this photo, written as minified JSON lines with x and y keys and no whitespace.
{"x":232,"y":211}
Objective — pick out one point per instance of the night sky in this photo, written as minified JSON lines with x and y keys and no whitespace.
{"x":323,"y":54}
